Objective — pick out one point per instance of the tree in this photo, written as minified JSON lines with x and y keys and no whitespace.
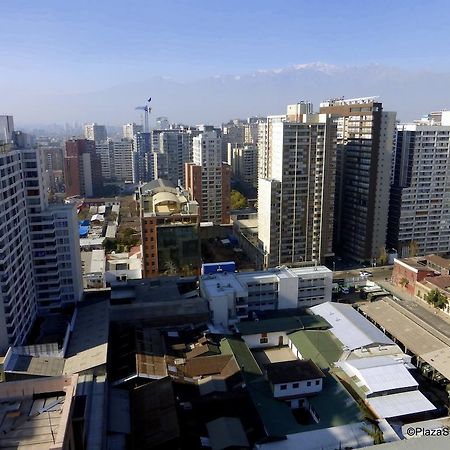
{"x":110,"y":245}
{"x":413,"y":248}
{"x":436,"y":299}
{"x":238,"y":201}
{"x":170,"y":267}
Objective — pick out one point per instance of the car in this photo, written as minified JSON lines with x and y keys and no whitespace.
{"x":363,"y":273}
{"x":345,"y":290}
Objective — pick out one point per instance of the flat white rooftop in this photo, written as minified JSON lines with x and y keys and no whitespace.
{"x":350,"y":327}
{"x":403,"y":404}
{"x":218,"y":283}
{"x":379,"y":374}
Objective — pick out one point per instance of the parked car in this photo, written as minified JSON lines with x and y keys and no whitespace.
{"x":363,"y":273}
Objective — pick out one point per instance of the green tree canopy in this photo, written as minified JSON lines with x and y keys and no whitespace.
{"x":238,"y":201}
{"x":437,"y":299}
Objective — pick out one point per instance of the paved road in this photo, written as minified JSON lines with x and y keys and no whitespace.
{"x":436,"y":319}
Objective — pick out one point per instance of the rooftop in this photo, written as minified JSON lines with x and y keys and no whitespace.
{"x":222,"y":366}
{"x":219,"y":283}
{"x":282,"y":324}
{"x":438,"y":261}
{"x":415,"y":263}
{"x":379,"y":374}
{"x":226,"y":432}
{"x":88,"y":343}
{"x":319,"y":346}
{"x":36,"y":414}
{"x":441,"y":281}
{"x":432,"y":350}
{"x":154,"y":418}
{"x":153,"y":290}
{"x":291,"y":371}
{"x":350,"y":327}
{"x":35,"y":365}
{"x":401,"y":404}
{"x":277,"y":416}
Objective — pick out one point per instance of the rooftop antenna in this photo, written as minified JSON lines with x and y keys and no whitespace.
{"x":147,"y":109}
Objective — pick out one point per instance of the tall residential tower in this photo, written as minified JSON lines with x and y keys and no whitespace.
{"x":419,"y":208}
{"x":365,"y":136}
{"x":295,"y":199}
{"x":208,"y":178}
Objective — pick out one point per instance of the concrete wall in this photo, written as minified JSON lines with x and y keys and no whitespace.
{"x":253,"y":340}
{"x":303,"y":388}
{"x":288,"y":293}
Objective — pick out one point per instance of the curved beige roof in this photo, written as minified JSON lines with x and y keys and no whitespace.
{"x":161,"y":197}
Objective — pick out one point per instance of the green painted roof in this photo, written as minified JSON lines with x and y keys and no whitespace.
{"x":333,"y":405}
{"x":319,"y":345}
{"x":243,"y":355}
{"x":282,"y":324}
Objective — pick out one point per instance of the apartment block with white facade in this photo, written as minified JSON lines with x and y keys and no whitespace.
{"x":116,"y":159}
{"x":17,"y":287}
{"x":40,"y":267}
{"x":95,"y":132}
{"x":419,"y":210}
{"x":244,"y":162}
{"x":54,"y":237}
{"x":296,"y":192}
{"x":234,"y":296}
{"x":129,"y":130}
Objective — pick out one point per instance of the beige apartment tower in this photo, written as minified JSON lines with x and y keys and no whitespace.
{"x":296,"y":195}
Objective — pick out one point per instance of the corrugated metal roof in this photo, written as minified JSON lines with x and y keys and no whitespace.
{"x":379,"y":373}
{"x":350,"y":327}
{"x":397,"y":405}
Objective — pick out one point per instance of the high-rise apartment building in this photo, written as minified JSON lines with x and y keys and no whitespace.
{"x":123,"y":160}
{"x":251,"y":128}
{"x":169,"y":226}
{"x":174,"y":144}
{"x":17,"y":287}
{"x":162,"y":123}
{"x":295,"y":199}
{"x":244,"y":162}
{"x":130,"y":130}
{"x":419,"y":208}
{"x":82,"y":168}
{"x":365,"y":136}
{"x":40,"y":267}
{"x":54,"y":236}
{"x":95,"y":132}
{"x":6,"y":128}
{"x":116,"y":159}
{"x":53,"y":157}
{"x":142,"y":147}
{"x":208,"y":178}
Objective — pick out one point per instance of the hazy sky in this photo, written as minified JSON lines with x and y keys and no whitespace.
{"x":54,"y":48}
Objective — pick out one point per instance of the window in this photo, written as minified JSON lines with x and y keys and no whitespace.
{"x":295,"y":385}
{"x":283,"y":387}
{"x":317,"y":382}
{"x":308,"y":383}
{"x":263,"y":341}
